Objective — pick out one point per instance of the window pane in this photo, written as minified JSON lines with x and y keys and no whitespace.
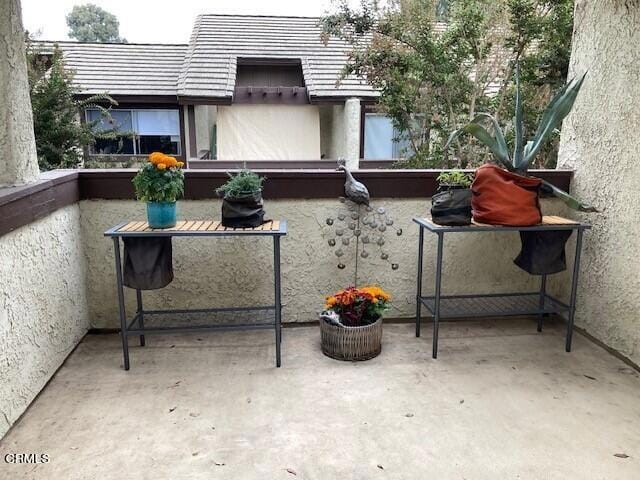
{"x":159,"y":143}
{"x":378,"y":137}
{"x":122,"y":146}
{"x":120,"y":120}
{"x":157,"y":122}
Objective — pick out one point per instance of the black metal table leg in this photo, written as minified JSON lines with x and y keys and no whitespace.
{"x":140,"y":313}
{"x":574,"y":289}
{"x":436,"y":300}
{"x":278,"y":308}
{"x":543,"y":292}
{"x":419,"y":282}
{"x":123,"y":318}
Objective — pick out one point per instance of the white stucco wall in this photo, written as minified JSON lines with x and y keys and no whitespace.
{"x":268,"y":132}
{"x":43,"y":306}
{"x":232,"y":271}
{"x":600,"y":142}
{"x":18,"y":157}
{"x":205,"y":117}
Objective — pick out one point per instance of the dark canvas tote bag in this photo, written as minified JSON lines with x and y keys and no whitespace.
{"x":543,"y":253}
{"x":243,"y":212}
{"x":148,"y":262}
{"x":451,"y":207}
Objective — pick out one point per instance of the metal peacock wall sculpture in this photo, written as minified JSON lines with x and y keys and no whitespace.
{"x":359,"y":225}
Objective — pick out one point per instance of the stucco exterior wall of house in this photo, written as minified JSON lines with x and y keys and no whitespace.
{"x":600,"y":143}
{"x":17,"y":145}
{"x":231,"y":271}
{"x":43,"y":306}
{"x":268,"y":132}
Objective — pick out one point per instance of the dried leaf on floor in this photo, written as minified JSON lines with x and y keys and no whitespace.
{"x":408,"y":415}
{"x":621,"y":455}
{"x":292,"y":471}
{"x":172,"y":409}
{"x":380,"y":467}
{"x":219,"y":464}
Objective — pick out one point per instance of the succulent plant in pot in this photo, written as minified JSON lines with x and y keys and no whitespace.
{"x":508,"y":195}
{"x":242,"y":200}
{"x":451,"y":205}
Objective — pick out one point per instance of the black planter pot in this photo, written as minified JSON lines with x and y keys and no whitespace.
{"x":451,"y":205}
{"x":243,"y":211}
{"x":543,"y":253}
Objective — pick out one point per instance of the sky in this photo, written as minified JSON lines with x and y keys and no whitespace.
{"x":149,"y":21}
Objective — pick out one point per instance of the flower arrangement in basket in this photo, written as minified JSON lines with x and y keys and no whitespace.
{"x":351,"y":324}
{"x":160,"y":183}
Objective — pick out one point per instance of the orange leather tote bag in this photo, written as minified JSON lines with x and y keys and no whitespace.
{"x":501,"y":197}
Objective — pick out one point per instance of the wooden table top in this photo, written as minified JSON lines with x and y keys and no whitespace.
{"x":549,"y":222}
{"x":196,"y":228}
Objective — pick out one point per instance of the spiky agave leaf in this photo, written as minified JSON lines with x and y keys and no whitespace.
{"x":571,"y":201}
{"x":497,"y":145}
{"x":557,"y":110}
{"x":518,"y":157}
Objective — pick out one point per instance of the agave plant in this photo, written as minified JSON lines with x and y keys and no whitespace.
{"x":523,"y":154}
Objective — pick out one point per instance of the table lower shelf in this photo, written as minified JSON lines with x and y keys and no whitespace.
{"x":489,"y":305}
{"x":247,"y":318}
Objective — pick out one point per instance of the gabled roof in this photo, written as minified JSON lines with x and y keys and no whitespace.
{"x":218,"y":41}
{"x":122,"y":68}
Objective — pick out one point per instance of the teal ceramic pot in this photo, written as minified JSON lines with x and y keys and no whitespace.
{"x":161,"y":214}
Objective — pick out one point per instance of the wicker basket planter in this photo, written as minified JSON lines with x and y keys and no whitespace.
{"x":351,"y":343}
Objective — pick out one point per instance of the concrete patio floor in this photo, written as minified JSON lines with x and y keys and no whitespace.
{"x":501,"y":402}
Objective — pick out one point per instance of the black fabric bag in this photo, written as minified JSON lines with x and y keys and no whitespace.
{"x":243,"y":212}
{"x":148,"y":262}
{"x":451,"y":207}
{"x":543,"y":253}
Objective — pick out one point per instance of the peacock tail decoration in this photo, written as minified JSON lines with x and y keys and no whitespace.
{"x":359,"y":226}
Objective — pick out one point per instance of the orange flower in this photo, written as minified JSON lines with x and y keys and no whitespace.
{"x":156,"y":157}
{"x":161,"y":166}
{"x":169,"y":161}
{"x":330,"y":302}
{"x":180,"y":164}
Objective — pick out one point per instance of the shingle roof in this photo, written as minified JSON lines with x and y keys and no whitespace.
{"x":206,"y":67}
{"x":122,"y":68}
{"x":217,"y":41}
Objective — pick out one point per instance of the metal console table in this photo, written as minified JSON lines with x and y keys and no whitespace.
{"x":484,"y":305}
{"x":203,"y":228}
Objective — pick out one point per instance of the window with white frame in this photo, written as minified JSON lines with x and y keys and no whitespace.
{"x":382,"y":141}
{"x":143,"y":131}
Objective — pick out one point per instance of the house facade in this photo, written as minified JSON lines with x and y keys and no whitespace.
{"x":244,"y":89}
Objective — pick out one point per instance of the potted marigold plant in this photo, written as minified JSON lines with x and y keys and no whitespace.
{"x":160,"y":183}
{"x":351,"y":324}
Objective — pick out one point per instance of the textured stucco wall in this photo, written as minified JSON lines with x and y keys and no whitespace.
{"x":226,"y":272}
{"x":600,"y":142}
{"x":43,"y":307}
{"x":18,"y":159}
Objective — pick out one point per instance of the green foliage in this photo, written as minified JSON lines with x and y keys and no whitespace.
{"x":90,"y":23}
{"x":60,"y":136}
{"x":432,"y":81}
{"x":245,"y":182}
{"x":155,"y":185}
{"x":523,"y":156}
{"x":455,"y":177}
